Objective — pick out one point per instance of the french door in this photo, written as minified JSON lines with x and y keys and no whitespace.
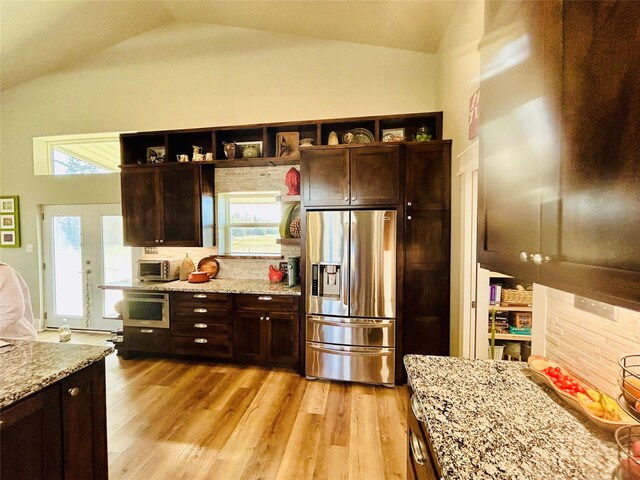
{"x":82,"y":250}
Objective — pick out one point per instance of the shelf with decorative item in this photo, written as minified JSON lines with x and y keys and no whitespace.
{"x":511,"y":336}
{"x":288,"y":199}
{"x":255,"y":162}
{"x":288,"y":241}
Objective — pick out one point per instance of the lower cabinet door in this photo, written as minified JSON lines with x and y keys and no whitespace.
{"x":282,"y":338}
{"x":84,"y":424}
{"x":247,"y":336}
{"x":30,"y":433}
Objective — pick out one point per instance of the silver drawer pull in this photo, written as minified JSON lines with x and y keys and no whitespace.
{"x":200,"y":325}
{"x":74,"y":392}
{"x":265,"y":298}
{"x":200,"y":310}
{"x":200,"y":340}
{"x":416,"y":408}
{"x":146,"y":330}
{"x":416,"y":449}
{"x":199,"y":295}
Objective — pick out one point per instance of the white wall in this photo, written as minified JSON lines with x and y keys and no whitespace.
{"x":459,"y":71}
{"x":193,"y":75}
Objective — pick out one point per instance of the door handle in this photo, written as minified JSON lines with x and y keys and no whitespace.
{"x":416,"y":408}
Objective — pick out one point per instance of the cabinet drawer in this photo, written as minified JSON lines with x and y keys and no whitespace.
{"x":284,"y":303}
{"x":420,"y":454}
{"x":200,"y":299}
{"x":200,"y":314}
{"x":151,"y":340}
{"x":219,"y":347}
{"x":200,"y":329}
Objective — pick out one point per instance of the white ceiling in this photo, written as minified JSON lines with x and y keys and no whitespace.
{"x":38,"y":37}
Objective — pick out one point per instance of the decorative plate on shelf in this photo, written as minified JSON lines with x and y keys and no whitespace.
{"x":358,"y":135}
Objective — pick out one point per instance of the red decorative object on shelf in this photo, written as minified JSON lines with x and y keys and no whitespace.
{"x":292,"y":181}
{"x":275,"y":275}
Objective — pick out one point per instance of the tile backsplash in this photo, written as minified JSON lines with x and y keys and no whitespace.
{"x":588,"y":344}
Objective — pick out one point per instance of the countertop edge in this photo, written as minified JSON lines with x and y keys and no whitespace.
{"x":31,"y":389}
{"x":206,"y":287}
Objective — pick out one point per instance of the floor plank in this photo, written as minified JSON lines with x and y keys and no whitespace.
{"x":183,"y":419}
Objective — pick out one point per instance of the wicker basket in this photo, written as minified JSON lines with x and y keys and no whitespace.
{"x":518,"y":296}
{"x":498,"y":351}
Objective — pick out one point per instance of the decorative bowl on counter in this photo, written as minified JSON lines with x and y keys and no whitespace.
{"x":628,"y":442}
{"x":209,"y":265}
{"x":599,"y":407}
{"x":198,"y":277}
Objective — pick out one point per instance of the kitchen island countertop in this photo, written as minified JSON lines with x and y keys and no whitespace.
{"x":28,"y":366}
{"x":216,"y":285}
{"x":492,"y":420}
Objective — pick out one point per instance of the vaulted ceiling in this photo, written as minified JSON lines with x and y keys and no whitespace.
{"x":38,"y":37}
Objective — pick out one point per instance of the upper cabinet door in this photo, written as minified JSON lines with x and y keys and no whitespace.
{"x":428,"y":176}
{"x":325,"y":177}
{"x":181,"y":198}
{"x":519,"y":154}
{"x":596,"y":247}
{"x":141,"y":204}
{"x":375,"y":175}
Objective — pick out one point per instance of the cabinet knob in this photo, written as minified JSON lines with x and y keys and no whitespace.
{"x":408,"y":204}
{"x":74,"y":392}
{"x":346,"y":199}
{"x":409,"y":217}
{"x":200,"y":310}
{"x":157,"y":241}
{"x":200,"y":325}
{"x":261,"y":318}
{"x":161,"y":241}
{"x":525,"y":257}
{"x":267,"y":319}
{"x":539,"y":259}
{"x":200,"y":340}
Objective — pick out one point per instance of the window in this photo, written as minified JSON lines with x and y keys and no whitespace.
{"x":76,"y":154}
{"x":248,"y":222}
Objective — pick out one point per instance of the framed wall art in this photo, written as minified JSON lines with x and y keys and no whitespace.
{"x":9,"y":222}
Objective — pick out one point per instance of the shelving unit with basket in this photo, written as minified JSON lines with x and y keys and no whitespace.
{"x":502,"y":302}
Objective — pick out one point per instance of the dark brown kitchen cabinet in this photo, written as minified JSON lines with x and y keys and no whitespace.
{"x":350,"y":176}
{"x":59,"y":432}
{"x":427,"y":248}
{"x":562,"y":210}
{"x":168,"y":205}
{"x":201,"y":324}
{"x":146,"y":340}
{"x":266,"y":329}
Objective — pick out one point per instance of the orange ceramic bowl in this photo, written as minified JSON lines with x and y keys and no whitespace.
{"x":198,"y":277}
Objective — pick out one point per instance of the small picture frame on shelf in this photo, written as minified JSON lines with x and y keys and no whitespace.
{"x":393,"y":135}
{"x":287,"y":144}
{"x":156,"y":155}
{"x":249,"y":149}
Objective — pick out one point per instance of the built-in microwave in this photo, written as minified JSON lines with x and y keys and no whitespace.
{"x":146,"y":309}
{"x":158,"y":270}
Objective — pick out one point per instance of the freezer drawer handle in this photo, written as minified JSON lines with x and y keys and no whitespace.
{"x":354,"y":323}
{"x":200,"y":325}
{"x":265,"y":298}
{"x":200,"y":310}
{"x":416,"y":449}
{"x":416,"y":408}
{"x":361,"y":352}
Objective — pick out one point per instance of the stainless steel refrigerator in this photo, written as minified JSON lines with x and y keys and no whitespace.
{"x":351,"y":295}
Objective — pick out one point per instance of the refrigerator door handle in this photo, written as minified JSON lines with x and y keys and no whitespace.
{"x":346,"y":227}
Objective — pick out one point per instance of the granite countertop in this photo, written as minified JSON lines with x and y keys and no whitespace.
{"x":216,"y":285}
{"x":31,"y":366}
{"x":492,"y":420}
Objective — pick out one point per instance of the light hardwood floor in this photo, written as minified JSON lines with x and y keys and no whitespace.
{"x":174,"y":419}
